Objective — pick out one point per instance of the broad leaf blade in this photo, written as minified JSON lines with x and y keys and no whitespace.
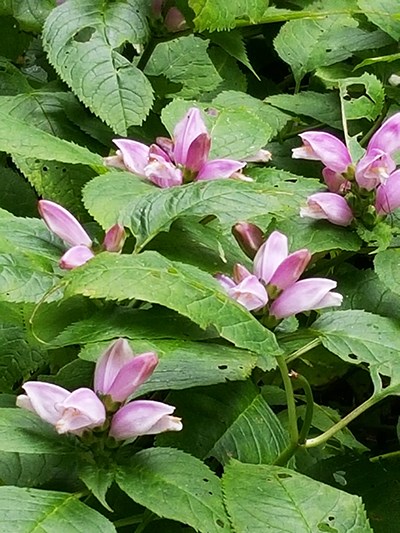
{"x":262,"y":499}
{"x":221,"y":15}
{"x":175,"y":485}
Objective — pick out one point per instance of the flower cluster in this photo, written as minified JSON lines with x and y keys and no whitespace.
{"x":365,"y":190}
{"x":169,"y":163}
{"x":118,"y":375}
{"x":64,"y":225}
{"x":274,"y":288}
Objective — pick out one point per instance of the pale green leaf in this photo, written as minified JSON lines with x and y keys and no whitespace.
{"x":82,"y":38}
{"x":30,"y":14}
{"x":233,"y":43}
{"x":221,"y":15}
{"x":183,"y":288}
{"x":185,"y":60}
{"x":176,"y":485}
{"x":263,"y":498}
{"x":384,"y":13}
{"x":367,"y":105}
{"x":32,"y":510}
{"x":246,"y":428}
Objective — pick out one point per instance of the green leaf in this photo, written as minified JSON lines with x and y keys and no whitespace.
{"x":262,"y":498}
{"x":98,"y":481}
{"x":24,"y":432}
{"x":358,"y":336}
{"x":323,"y":42}
{"x":28,"y":510}
{"x":21,"y":138}
{"x":185,"y":364}
{"x":387,"y":269}
{"x":175,"y":485}
{"x":82,"y":39}
{"x":233,"y":78}
{"x":233,"y":43}
{"x":29,"y":470}
{"x":12,"y":81}
{"x":31,"y":14}
{"x":185,"y":60}
{"x":368,"y":105}
{"x":16,"y":195}
{"x":384,"y":14}
{"x":195,"y":294}
{"x":323,"y":107}
{"x":220,"y":15}
{"x":13,"y":42}
{"x":245,"y":428}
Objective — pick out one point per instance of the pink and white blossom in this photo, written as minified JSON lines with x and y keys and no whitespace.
{"x":328,"y":206}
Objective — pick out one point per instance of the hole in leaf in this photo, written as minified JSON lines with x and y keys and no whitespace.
{"x":222,"y":367}
{"x":330,"y":518}
{"x":210,"y":493}
{"x":283,"y":475}
{"x":84,"y":35}
{"x":353,"y":356}
{"x":219,"y":523}
{"x":205,"y":479}
{"x":322,"y":526}
{"x":45,"y":169}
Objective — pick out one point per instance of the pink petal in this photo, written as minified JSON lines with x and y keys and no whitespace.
{"x":388,"y":195}
{"x":197,"y":153}
{"x":387,"y":137}
{"x":185,"y":132}
{"x":114,"y":238}
{"x":262,"y":156}
{"x":291,"y":268}
{"x":174,"y":20}
{"x":115,"y":161}
{"x":270,"y":255}
{"x":43,"y":399}
{"x":250,"y":293}
{"x":219,"y":168}
{"x":321,"y":146}
{"x":62,"y":223}
{"x":305,"y":295}
{"x":143,"y":417}
{"x":329,"y":206}
{"x":119,"y":372}
{"x":163,"y":174}
{"x":167,"y":146}
{"x":156,"y":152}
{"x":81,"y":410}
{"x":240,"y":273}
{"x":134,"y":154}
{"x":75,"y":257}
{"x":374,"y":168}
{"x":335,"y":181}
{"x":225,"y":281}
{"x":249,"y":237}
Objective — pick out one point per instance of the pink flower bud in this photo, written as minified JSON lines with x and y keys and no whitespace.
{"x":305,"y":295}
{"x":374,"y":168}
{"x":119,"y":372}
{"x":75,"y":257}
{"x":68,"y":412}
{"x":143,"y":417}
{"x":174,"y":20}
{"x":270,"y":255}
{"x":63,"y":224}
{"x":321,"y":146}
{"x":388,"y":195}
{"x":329,"y":206}
{"x":335,"y":181}
{"x":114,"y":238}
{"x":197,"y":153}
{"x":249,"y":237}
{"x":387,"y":137}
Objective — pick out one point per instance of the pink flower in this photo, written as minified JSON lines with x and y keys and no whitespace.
{"x":119,"y":372}
{"x":329,"y":206}
{"x":69,"y":412}
{"x":173,"y":162}
{"x":249,"y":237}
{"x":143,"y":417}
{"x":305,"y":295}
{"x":321,"y":146}
{"x":374,"y":168}
{"x":387,"y":137}
{"x":388,"y":195}
{"x":65,"y":225}
{"x":245,"y":289}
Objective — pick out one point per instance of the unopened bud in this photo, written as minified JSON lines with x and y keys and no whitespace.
{"x":114,"y":238}
{"x":249,"y":237}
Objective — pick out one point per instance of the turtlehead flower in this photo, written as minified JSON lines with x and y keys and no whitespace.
{"x":324,"y":147}
{"x":119,"y":372}
{"x":61,"y":222}
{"x":172,"y":162}
{"x":69,"y":412}
{"x":388,"y":195}
{"x":143,"y":417}
{"x":329,"y":206}
{"x":305,"y":295}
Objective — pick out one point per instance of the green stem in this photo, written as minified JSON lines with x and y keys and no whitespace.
{"x":309,"y":408}
{"x":129,"y":521}
{"x":324,"y":437}
{"x":390,"y":455}
{"x":301,"y":351}
{"x":146,"y":519}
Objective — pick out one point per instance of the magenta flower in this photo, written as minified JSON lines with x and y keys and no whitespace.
{"x":119,"y":372}
{"x":65,"y":225}
{"x":305,"y":295}
{"x":245,"y":289}
{"x":249,"y":237}
{"x":373,"y":169}
{"x":387,"y":137}
{"x":329,"y":206}
{"x":174,"y":162}
{"x":321,"y":146}
{"x":143,"y":417}
{"x":388,"y":195}
{"x":69,"y":412}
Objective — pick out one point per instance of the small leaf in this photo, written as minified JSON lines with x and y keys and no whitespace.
{"x":220,"y":15}
{"x":368,"y":105}
{"x":269,"y":498}
{"x":98,"y":481}
{"x":175,"y":485}
{"x":30,"y":14}
{"x":82,"y":40}
{"x":28,"y":510}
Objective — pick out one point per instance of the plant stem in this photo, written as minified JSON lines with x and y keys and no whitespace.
{"x":301,"y":351}
{"x":309,"y":408}
{"x":129,"y":520}
{"x":324,"y":437}
{"x":385,"y":456}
